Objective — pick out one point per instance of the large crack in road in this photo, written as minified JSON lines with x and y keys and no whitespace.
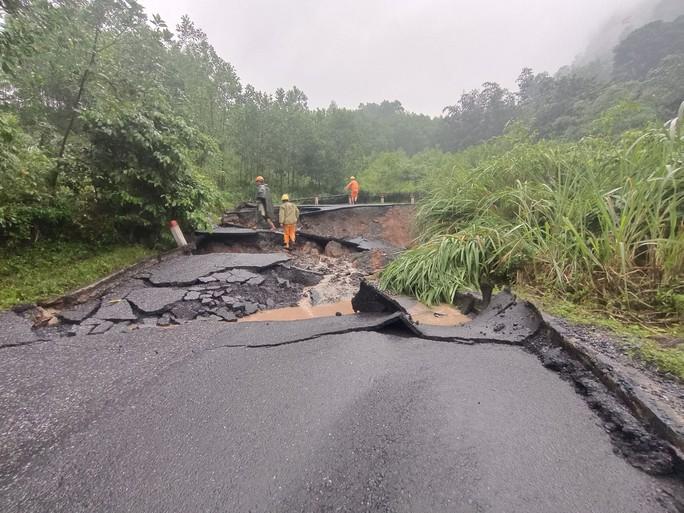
{"x":364,"y":412}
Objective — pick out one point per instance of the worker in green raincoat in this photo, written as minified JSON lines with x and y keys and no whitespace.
{"x":264,"y":203}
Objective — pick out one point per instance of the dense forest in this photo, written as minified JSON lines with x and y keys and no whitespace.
{"x":111,"y":122}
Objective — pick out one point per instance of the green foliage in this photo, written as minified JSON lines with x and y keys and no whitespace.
{"x":117,"y":112}
{"x":644,"y":49}
{"x":48,"y":269}
{"x":391,"y":172}
{"x":141,"y":166}
{"x":27,"y":206}
{"x":591,"y":218}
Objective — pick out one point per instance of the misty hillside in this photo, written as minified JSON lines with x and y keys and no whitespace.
{"x":621,"y":24}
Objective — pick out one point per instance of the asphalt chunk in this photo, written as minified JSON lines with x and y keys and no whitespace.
{"x":151,"y":300}
{"x":188,"y":269}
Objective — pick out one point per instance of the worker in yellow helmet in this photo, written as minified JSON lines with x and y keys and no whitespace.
{"x":264,"y":203}
{"x":353,"y":188}
{"x":288,"y":217}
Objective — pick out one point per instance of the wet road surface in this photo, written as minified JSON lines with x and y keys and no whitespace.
{"x":165,"y":422}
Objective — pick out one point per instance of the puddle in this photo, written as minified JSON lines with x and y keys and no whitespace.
{"x":302,"y":311}
{"x":442,"y":315}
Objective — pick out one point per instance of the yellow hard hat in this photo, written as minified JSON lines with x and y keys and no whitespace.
{"x":285,"y":197}
{"x":259,"y":179}
{"x":352,"y":178}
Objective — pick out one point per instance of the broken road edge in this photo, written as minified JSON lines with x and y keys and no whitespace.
{"x":508,"y":320}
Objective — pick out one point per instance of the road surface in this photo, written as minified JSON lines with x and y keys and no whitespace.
{"x":189,"y":420}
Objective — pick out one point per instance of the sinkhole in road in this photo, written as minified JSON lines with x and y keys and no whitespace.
{"x":335,"y":272}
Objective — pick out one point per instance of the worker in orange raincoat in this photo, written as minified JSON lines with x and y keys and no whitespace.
{"x":353,"y":188}
{"x":288,"y":217}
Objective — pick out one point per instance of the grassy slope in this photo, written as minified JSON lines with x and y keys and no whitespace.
{"x":49,"y":269}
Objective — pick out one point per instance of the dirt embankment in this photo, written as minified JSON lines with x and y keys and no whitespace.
{"x":393,"y":225}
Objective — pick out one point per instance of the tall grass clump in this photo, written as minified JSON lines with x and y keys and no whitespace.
{"x":597,"y":219}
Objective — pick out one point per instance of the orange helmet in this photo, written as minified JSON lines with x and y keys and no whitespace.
{"x":259,"y":179}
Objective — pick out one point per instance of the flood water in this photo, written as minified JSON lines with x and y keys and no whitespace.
{"x":302,"y":311}
{"x":442,"y":315}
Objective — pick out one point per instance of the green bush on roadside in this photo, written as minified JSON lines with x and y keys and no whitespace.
{"x":594,"y":220}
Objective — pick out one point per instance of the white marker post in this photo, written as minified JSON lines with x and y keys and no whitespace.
{"x":177,"y":234}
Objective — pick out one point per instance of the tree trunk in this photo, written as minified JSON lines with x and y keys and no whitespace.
{"x":81,"y":89}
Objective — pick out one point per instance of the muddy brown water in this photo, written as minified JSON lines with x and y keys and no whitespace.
{"x":442,"y":315}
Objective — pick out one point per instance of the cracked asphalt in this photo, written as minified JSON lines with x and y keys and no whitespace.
{"x":175,"y":420}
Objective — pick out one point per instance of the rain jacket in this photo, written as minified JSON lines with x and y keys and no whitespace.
{"x":289,"y":213}
{"x":353,"y":186}
{"x":264,"y":202}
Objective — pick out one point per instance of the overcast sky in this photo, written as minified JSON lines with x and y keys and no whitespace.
{"x":421,"y":52}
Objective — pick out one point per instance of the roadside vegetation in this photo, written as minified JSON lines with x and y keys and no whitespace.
{"x":596,"y":220}
{"x":49,"y":269}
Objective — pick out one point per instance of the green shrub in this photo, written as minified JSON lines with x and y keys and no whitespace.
{"x":589,"y":218}
{"x":141,"y":166}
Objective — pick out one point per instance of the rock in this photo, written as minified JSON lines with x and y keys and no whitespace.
{"x":283,"y":283}
{"x":316,"y":297}
{"x":218,"y":293}
{"x":334,"y":249}
{"x":298,"y":275}
{"x":207,"y":301}
{"x":193,"y":295}
{"x":226,"y":314}
{"x":251,"y":308}
{"x":369,"y":299}
{"x":257,"y":280}
{"x":553,"y":359}
{"x":270,"y":303}
{"x":338,"y":314}
{"x":42,"y":317}
{"x":80,"y":312}
{"x":119,"y":310}
{"x":229,"y":300}
{"x":147,"y":322}
{"x":152,"y":300}
{"x":80,"y":329}
{"x":101,"y":328}
{"x":164,"y":320}
{"x":241,"y":276}
{"x":239,"y":307}
{"x":183,"y":312}
{"x":123,"y":327}
{"x":231,"y":276}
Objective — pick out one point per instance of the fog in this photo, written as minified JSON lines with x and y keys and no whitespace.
{"x":424,"y":53}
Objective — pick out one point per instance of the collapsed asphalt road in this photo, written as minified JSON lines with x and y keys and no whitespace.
{"x":192,"y":419}
{"x":144,"y":395}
